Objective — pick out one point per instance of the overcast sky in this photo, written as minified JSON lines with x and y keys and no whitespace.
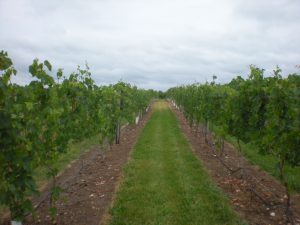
{"x":153,"y":43}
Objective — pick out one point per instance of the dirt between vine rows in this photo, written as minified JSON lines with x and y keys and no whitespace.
{"x":89,"y":183}
{"x":258,"y":197}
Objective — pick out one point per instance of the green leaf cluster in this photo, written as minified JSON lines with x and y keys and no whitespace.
{"x":39,"y":120}
{"x":260,"y":110}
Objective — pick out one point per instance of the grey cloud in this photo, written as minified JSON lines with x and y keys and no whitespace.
{"x":153,"y":44}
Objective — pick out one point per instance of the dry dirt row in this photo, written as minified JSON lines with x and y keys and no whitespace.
{"x":258,"y":197}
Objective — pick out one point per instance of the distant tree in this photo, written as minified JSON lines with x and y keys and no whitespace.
{"x":161,"y":95}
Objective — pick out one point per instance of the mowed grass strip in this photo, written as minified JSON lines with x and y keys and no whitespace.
{"x":164,"y":183}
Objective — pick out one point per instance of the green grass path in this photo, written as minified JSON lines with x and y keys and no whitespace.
{"x":164,"y":183}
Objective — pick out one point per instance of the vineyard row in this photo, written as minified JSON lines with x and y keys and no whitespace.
{"x":38,"y":121}
{"x":263,"y":111}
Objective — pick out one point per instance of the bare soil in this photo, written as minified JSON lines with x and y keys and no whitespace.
{"x":88,"y":183}
{"x":254,"y":194}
